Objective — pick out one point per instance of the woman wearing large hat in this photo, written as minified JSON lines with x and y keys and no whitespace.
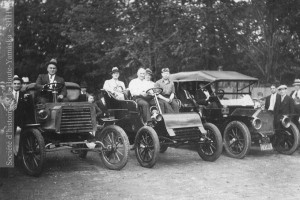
{"x":115,"y":86}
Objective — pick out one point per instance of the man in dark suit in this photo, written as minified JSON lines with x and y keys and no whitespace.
{"x":285,"y":107}
{"x":20,"y":103}
{"x":51,"y":77}
{"x":295,"y":94}
{"x":273,"y":100}
{"x":184,"y":95}
{"x":202,"y":95}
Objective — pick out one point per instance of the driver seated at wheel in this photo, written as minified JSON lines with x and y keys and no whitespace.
{"x":138,"y":88}
{"x":51,"y":78}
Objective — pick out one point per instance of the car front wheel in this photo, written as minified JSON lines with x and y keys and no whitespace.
{"x":33,"y":152}
{"x":147,"y":146}
{"x":211,"y":145}
{"x":286,"y":141}
{"x":237,"y":139}
{"x":114,"y":154}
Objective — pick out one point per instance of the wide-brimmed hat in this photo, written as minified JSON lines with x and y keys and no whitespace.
{"x":282,"y":87}
{"x":53,"y":61}
{"x":165,"y":70}
{"x":149,"y":71}
{"x":114,"y":69}
{"x":296,"y":82}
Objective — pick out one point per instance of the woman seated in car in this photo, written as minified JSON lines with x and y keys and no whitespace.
{"x":115,"y":86}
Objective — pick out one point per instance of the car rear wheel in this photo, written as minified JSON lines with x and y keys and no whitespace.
{"x":286,"y":141}
{"x":237,"y":139}
{"x":114,"y":155}
{"x":32,"y":151}
{"x":147,"y":146}
{"x":211,"y":145}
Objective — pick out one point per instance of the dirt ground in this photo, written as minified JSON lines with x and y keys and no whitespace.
{"x":178,"y":174}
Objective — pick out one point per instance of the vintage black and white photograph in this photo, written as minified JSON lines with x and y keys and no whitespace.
{"x":149,"y":99}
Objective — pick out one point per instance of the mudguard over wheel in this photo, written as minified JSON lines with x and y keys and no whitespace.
{"x":147,"y":146}
{"x":116,"y":147}
{"x":32,"y":147}
{"x":237,"y":139}
{"x":286,"y":141}
{"x":211,"y":145}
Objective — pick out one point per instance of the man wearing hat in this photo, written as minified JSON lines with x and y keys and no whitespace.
{"x":285,"y":107}
{"x":51,"y":77}
{"x":296,"y":93}
{"x":20,"y":103}
{"x":273,"y":100}
{"x":25,"y":83}
{"x":148,"y":77}
{"x":168,"y":93}
{"x":115,"y":86}
{"x":83,"y":94}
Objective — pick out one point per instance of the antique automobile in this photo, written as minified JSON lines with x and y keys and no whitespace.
{"x":231,"y":108}
{"x":71,"y":124}
{"x":166,"y":130}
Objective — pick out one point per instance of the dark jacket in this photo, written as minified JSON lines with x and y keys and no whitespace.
{"x":285,"y":107}
{"x":277,"y":101}
{"x":19,"y":113}
{"x":184,"y":98}
{"x":201,"y":97}
{"x":44,"y":79}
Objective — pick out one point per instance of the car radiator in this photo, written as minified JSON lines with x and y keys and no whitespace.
{"x":192,"y":133}
{"x":76,"y":120}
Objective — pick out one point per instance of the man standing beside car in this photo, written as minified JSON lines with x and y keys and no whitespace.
{"x":285,"y":107}
{"x":272,"y":100}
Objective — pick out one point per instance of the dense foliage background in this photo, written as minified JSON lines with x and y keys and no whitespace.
{"x":89,"y":37}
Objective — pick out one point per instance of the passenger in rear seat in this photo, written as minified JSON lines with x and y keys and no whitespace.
{"x":115,"y":86}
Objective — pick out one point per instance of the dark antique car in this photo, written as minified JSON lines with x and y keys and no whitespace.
{"x":166,"y":130}
{"x":231,"y":108}
{"x":72,"y":125}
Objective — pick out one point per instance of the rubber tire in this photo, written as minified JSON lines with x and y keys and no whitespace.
{"x":219,"y":143}
{"x":247,"y":137}
{"x":295,"y":133}
{"x":115,"y":129}
{"x":38,"y":136}
{"x":163,"y":148}
{"x":156,"y":146}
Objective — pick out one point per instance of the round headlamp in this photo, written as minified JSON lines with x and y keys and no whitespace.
{"x":286,"y":121}
{"x":42,"y":114}
{"x":257,"y":123}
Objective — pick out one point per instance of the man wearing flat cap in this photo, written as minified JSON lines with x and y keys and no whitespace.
{"x":285,"y":107}
{"x":115,"y":86}
{"x":168,"y":94}
{"x":51,"y":77}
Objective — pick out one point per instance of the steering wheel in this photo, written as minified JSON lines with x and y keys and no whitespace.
{"x":51,"y":87}
{"x":220,"y":93}
{"x":155,"y":91}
